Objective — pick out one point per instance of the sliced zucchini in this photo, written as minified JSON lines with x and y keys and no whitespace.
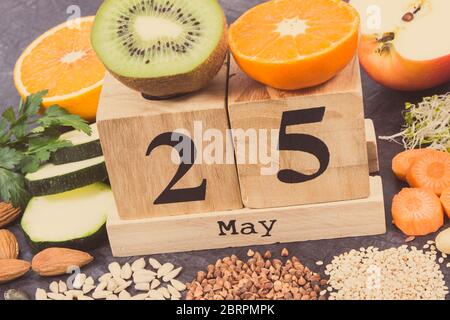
{"x":75,"y":219}
{"x":83,"y":147}
{"x":53,"y":179}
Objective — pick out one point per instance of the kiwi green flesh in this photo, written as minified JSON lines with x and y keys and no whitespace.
{"x":143,"y":39}
{"x":172,"y":86}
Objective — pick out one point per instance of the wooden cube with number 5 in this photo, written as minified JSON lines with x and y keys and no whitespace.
{"x":159,"y":156}
{"x":299,"y":147}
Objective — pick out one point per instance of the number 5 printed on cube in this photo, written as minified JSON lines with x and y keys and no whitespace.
{"x":320,"y":152}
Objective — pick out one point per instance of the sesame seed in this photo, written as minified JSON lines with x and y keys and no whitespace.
{"x":386,"y":274}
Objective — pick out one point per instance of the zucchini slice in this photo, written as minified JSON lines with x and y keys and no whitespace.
{"x":75,"y":219}
{"x":83,"y":147}
{"x":53,"y":179}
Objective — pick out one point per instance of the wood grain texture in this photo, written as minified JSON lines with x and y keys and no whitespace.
{"x":372,"y":147}
{"x":202,"y":231}
{"x":128,"y":123}
{"x":253,"y":106}
{"x":243,"y":89}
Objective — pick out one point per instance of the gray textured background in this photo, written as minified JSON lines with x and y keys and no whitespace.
{"x":24,"y":20}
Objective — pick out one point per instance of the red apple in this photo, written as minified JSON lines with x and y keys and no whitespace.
{"x":405,"y":44}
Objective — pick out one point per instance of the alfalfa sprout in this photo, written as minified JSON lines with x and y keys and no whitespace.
{"x":427,"y":124}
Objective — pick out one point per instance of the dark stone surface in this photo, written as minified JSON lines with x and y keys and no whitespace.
{"x":23,"y":20}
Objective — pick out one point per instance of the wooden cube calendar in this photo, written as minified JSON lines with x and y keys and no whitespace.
{"x":140,"y":138}
{"x":316,"y":187}
{"x":318,"y":134}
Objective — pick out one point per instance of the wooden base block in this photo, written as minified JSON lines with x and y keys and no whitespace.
{"x":245,"y":227}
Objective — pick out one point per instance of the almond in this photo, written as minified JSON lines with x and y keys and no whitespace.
{"x":56,"y":261}
{"x":7,"y":213}
{"x":9,"y":247}
{"x":11,"y":269}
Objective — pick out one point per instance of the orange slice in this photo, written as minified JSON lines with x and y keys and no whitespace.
{"x":294,"y":44}
{"x":63,"y":61}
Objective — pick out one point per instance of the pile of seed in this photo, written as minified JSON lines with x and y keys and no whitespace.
{"x":260,"y":278}
{"x":404,"y":273}
{"x":158,"y":282}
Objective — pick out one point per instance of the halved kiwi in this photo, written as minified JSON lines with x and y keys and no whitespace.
{"x":161,"y":48}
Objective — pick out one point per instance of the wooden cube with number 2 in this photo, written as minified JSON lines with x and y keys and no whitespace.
{"x":139,"y":138}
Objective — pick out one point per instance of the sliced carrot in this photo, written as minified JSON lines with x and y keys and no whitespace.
{"x":404,"y":160}
{"x":445,"y":199}
{"x":417,"y":212}
{"x":431,"y":171}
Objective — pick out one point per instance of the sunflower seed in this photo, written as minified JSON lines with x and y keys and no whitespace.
{"x":143,"y":278}
{"x":40,"y":294}
{"x":79,"y":281}
{"x":154,"y":263}
{"x":173,"y":292}
{"x":56,"y":296}
{"x":123,"y":287}
{"x":141,"y":296}
{"x":126,"y":272}
{"x":74,"y":293}
{"x":164,"y":292}
{"x":87,"y":288}
{"x":124,"y":295}
{"x":138,"y":265}
{"x":155,"y":295}
{"x":62,"y":287}
{"x":142,"y":287}
{"x":155,"y":284}
{"x":89,"y":281}
{"x":165,"y":269}
{"x":115,"y":269}
{"x":105,"y":277}
{"x":101,"y":294}
{"x":178,"y":285}
{"x":172,"y":274}
{"x":112,"y":285}
{"x":53,"y":287}
{"x":102,"y":286}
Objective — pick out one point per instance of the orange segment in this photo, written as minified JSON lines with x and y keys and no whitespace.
{"x":63,"y":61}
{"x":417,"y":212}
{"x":431,"y":171}
{"x":294,"y":44}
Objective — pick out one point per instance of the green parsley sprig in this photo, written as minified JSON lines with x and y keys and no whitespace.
{"x":27,"y":141}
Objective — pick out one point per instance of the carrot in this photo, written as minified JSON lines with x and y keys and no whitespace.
{"x":445,"y":200}
{"x":431,"y":171}
{"x":404,"y":160}
{"x":417,"y":212}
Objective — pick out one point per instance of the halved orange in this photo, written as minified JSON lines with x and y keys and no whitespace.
{"x":63,"y":61}
{"x":294,"y":44}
